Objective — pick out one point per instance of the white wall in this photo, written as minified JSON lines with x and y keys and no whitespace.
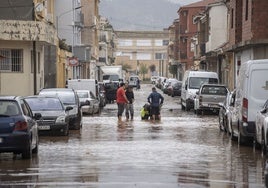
{"x":21,"y":83}
{"x":218,"y":27}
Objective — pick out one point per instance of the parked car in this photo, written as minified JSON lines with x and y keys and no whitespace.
{"x":226,"y":113}
{"x":261,"y":138}
{"x":69,"y":98}
{"x":110,"y":91}
{"x":55,"y":117}
{"x":18,"y":127}
{"x":133,"y":80}
{"x":191,"y":83}
{"x":93,"y":104}
{"x":251,"y":94}
{"x":208,"y":98}
{"x":102,"y":95}
{"x":168,"y":83}
{"x":174,"y":89}
{"x":154,"y":79}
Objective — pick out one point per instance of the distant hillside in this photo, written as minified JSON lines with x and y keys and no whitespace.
{"x":139,"y":14}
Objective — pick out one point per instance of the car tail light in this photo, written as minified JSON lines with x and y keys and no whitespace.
{"x":200,"y":99}
{"x":245,"y":110}
{"x":21,"y":126}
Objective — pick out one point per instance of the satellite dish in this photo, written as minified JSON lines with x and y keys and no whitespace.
{"x":39,"y":7}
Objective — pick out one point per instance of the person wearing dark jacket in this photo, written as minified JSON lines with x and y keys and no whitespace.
{"x":156,"y":100}
{"x":129,"y":106}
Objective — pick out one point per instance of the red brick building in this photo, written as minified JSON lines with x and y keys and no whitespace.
{"x":187,"y":29}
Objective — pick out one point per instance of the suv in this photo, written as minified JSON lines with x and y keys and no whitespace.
{"x":209,"y":96}
{"x":69,"y":98}
{"x":18,"y":127}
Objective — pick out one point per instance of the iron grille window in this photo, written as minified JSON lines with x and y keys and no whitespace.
{"x":12,"y":60}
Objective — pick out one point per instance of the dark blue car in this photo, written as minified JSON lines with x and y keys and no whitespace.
{"x":18,"y":127}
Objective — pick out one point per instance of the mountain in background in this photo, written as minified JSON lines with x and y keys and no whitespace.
{"x":139,"y":15}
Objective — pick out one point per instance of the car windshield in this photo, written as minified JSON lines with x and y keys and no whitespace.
{"x":66,"y":97}
{"x":214,"y":90}
{"x":111,"y":77}
{"x":82,"y":94}
{"x":196,"y":82}
{"x":45,"y":104}
{"x":9,"y":108}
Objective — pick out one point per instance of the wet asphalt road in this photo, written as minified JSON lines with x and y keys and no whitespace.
{"x":182,"y":150}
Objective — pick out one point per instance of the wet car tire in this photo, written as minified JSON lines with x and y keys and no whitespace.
{"x":35,"y":150}
{"x":27,"y":153}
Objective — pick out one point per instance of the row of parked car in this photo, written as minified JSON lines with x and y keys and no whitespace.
{"x":52,"y":111}
{"x":244,"y":113}
{"x":169,"y":86}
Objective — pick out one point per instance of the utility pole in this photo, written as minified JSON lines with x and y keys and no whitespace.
{"x":34,"y":56}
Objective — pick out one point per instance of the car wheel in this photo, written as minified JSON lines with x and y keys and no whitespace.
{"x":263,"y":145}
{"x":66,"y":131}
{"x":27,"y":153}
{"x":187,"y":107}
{"x":221,"y":122}
{"x":232,"y":135}
{"x":35,"y":150}
{"x":198,"y":112}
{"x":241,"y":138}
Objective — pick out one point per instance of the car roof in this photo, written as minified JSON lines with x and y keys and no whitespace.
{"x":41,"y":96}
{"x":56,"y":89}
{"x":219,"y":85}
{"x":9,"y":97}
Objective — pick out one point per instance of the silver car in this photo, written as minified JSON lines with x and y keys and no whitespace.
{"x":93,"y":105}
{"x":208,"y":98}
{"x":261,"y":138}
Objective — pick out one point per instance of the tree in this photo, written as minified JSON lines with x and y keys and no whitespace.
{"x":143,"y":70}
{"x":152,"y":68}
{"x":173,"y":70}
{"x":126,"y":67}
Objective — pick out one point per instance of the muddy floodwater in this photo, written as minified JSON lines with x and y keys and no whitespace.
{"x":182,"y":150}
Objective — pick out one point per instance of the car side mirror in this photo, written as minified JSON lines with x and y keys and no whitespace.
{"x":264,"y":110}
{"x":68,"y":108}
{"x":37,"y":116}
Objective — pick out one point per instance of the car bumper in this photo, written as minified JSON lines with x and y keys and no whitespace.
{"x":52,"y":127}
{"x":249,"y":130}
{"x":15,"y":142}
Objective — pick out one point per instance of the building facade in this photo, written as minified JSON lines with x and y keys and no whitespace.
{"x":143,"y":52}
{"x":28,"y":46}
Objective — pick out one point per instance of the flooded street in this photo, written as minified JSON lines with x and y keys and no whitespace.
{"x":183,"y":150}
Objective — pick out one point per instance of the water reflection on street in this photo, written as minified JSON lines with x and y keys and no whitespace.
{"x":182,"y":150}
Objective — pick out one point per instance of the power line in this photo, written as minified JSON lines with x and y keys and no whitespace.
{"x":136,"y":24}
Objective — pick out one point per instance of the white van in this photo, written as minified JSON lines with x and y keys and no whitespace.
{"x":132,"y":81}
{"x":191,"y":83}
{"x":251,"y":94}
{"x":85,"y":84}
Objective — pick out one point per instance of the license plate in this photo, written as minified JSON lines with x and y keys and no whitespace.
{"x":44,"y":127}
{"x":1,"y":140}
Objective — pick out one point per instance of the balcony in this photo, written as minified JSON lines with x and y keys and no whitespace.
{"x":27,"y":31}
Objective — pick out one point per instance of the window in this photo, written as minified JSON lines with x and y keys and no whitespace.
{"x":161,"y":42}
{"x":144,"y":43}
{"x":12,"y":61}
{"x":160,"y":56}
{"x":124,"y":42}
{"x":246,"y":17}
{"x":143,"y":56}
{"x":232,"y":18}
